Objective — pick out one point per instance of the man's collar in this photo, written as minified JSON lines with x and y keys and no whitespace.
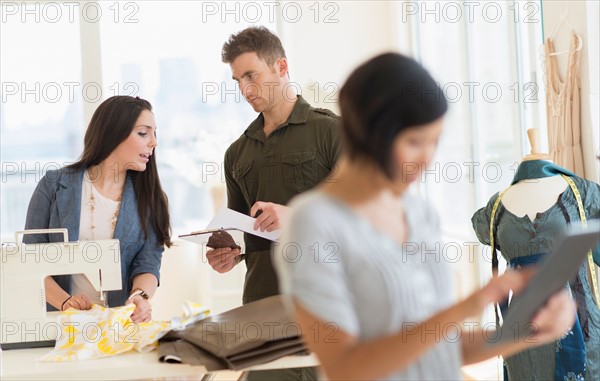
{"x":299,"y":115}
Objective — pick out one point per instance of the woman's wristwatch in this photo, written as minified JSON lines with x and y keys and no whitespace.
{"x":140,"y":292}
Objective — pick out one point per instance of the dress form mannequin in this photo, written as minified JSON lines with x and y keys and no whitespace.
{"x":524,"y":221}
{"x":528,"y":197}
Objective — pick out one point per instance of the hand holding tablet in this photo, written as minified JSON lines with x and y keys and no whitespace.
{"x":553,"y":274}
{"x":221,"y":239}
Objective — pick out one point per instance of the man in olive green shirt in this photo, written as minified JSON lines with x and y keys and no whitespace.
{"x":289,"y":148}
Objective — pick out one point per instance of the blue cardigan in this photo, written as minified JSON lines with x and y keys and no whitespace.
{"x":56,"y":203}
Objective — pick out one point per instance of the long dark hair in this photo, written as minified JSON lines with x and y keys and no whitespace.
{"x":111,"y":124}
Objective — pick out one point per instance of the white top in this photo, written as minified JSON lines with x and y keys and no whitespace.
{"x":104,"y":212}
{"x":348,"y":273}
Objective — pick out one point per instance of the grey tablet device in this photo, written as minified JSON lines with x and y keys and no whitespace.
{"x":558,"y":268}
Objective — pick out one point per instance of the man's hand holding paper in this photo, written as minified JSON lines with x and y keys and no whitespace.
{"x":271,"y":216}
{"x":224,"y":259}
{"x":225,"y":254}
{"x":221,"y":239}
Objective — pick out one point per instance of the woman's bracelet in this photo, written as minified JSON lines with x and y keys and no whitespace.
{"x":140,"y":292}
{"x":62,"y":306}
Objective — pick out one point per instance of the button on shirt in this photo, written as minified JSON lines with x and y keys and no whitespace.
{"x":295,"y":157}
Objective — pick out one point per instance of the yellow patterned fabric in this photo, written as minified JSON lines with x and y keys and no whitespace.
{"x":104,"y":332}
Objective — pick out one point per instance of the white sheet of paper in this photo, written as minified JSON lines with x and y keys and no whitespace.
{"x":228,"y":219}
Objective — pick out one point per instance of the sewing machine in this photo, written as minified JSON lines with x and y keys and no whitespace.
{"x":24,"y":320}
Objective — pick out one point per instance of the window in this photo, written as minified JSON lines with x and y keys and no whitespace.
{"x":41,"y":112}
{"x":177,"y":67}
{"x":484,"y":56}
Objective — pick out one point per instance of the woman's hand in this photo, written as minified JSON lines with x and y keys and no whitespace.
{"x":143,"y":288}
{"x":554,"y":319}
{"x":143,"y":309}
{"x":551,"y":322}
{"x":498,"y":289}
{"x":79,"y":302}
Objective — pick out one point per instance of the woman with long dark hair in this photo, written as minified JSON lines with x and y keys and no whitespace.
{"x":112,"y":191}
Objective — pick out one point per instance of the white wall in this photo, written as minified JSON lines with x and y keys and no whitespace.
{"x":186,"y":275}
{"x":327,"y":52}
{"x":584,"y":17}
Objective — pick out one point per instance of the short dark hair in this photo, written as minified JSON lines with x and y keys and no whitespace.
{"x":111,"y":124}
{"x":255,"y":39}
{"x":381,"y":99}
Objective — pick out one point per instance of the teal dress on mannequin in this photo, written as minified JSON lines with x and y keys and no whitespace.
{"x":519,"y":239}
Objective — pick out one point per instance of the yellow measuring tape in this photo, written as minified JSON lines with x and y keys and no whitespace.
{"x":590,"y":257}
{"x":492,"y":217}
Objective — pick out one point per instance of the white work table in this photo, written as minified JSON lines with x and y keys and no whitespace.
{"x":24,"y":364}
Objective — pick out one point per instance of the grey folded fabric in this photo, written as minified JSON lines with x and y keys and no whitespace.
{"x":252,"y":334}
{"x":182,"y":352}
